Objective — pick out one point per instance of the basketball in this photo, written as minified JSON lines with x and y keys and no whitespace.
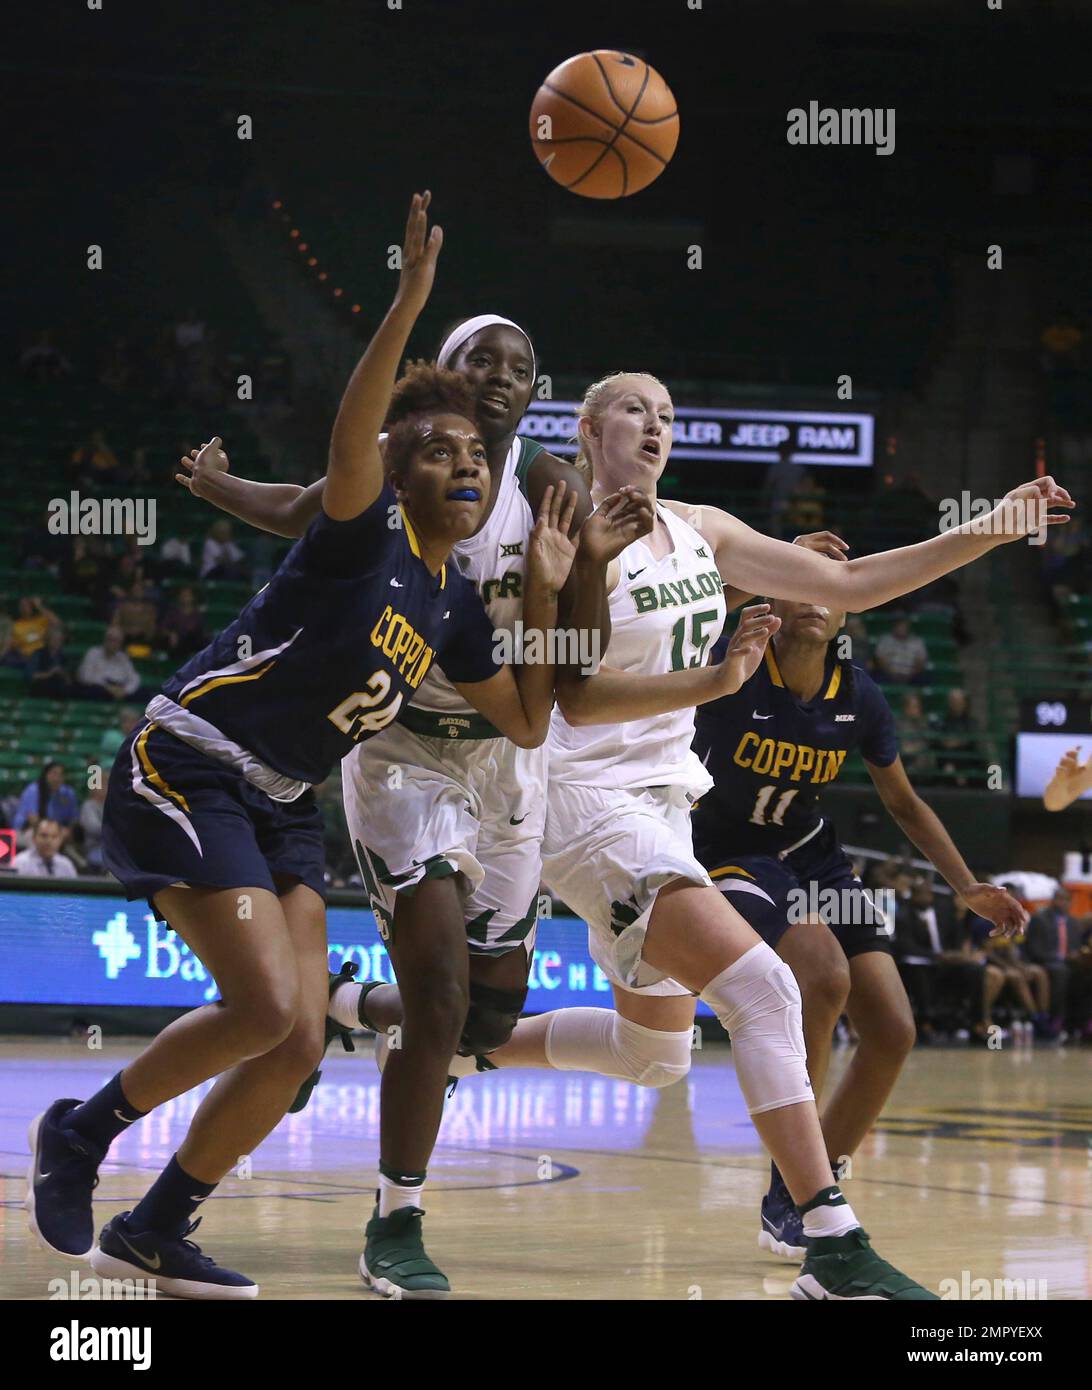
{"x":604,"y":124}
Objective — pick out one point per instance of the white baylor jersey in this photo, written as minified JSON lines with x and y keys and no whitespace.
{"x":665,"y":616}
{"x":494,"y":560}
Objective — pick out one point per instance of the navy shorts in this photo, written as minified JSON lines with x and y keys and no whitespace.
{"x":173,"y":815}
{"x":817,"y":880}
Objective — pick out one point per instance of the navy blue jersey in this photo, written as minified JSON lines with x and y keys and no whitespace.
{"x":326,"y":654}
{"x":771,"y":754}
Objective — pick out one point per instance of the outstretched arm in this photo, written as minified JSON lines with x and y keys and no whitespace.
{"x":924,"y":828}
{"x":613,"y":697}
{"x":285,"y":509}
{"x":755,"y":563}
{"x":354,"y":473}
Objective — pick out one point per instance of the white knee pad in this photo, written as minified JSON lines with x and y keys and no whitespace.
{"x":758,"y":1001}
{"x":601,"y":1040}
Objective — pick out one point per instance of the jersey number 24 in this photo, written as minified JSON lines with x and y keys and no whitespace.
{"x":357,"y":714}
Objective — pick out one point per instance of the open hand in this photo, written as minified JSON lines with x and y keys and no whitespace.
{"x":550,"y":549}
{"x":623,"y":517}
{"x":997,"y":906}
{"x":202,"y":463}
{"x":420,"y":250}
{"x":755,"y":628}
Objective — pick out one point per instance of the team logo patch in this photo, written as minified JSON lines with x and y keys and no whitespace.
{"x":515,"y":549}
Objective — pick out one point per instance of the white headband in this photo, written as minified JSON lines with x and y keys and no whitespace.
{"x":454,"y":340}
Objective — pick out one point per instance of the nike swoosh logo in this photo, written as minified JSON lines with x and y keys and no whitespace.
{"x":145,"y":1260}
{"x":39,"y":1176}
{"x":448,"y":613}
{"x":636,"y":572}
{"x":755,"y":715}
{"x":512,"y":820}
{"x":397,"y":584}
{"x":122,"y":1118}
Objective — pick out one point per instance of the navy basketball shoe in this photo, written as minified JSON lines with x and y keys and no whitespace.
{"x":62,"y":1175}
{"x":782,"y":1230}
{"x":175,"y":1264}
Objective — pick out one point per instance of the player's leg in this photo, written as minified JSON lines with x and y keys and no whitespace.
{"x":882,"y":1018}
{"x":694,"y":935}
{"x":244,"y":1105}
{"x":252,"y":960}
{"x":427,"y":947}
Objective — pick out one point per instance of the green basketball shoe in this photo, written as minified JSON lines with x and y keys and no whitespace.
{"x":394,"y":1262}
{"x":845,"y":1267}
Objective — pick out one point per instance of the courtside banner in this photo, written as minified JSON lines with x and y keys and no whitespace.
{"x":816,"y":437}
{"x":97,"y":949}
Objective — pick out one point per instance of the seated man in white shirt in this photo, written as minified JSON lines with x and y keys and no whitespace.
{"x":106,"y":673}
{"x":43,"y":859}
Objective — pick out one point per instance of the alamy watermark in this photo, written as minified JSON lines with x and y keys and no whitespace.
{"x":1005,"y":516}
{"x":102,"y":516}
{"x":557,"y":646}
{"x":828,"y":125}
{"x":844,"y":907}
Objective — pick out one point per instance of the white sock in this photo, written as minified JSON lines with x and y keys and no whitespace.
{"x":343,"y":1005}
{"x":830,"y":1218}
{"x":393,"y":1195}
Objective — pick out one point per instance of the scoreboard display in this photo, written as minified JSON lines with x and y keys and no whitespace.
{"x":1048,"y":727}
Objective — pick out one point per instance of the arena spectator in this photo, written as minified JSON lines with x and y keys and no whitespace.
{"x":106,"y":673}
{"x":136,"y":616}
{"x":935,"y":961}
{"x":1026,"y":984}
{"x":174,"y":556}
{"x":1062,"y":945}
{"x":42,"y":361}
{"x":221,"y":557}
{"x":43,"y":859}
{"x":806,"y":506}
{"x":48,"y":797}
{"x":43,"y":548}
{"x":128,"y":717}
{"x":49,"y":669}
{"x":915,"y":737}
{"x":94,"y":463}
{"x":6,"y":626}
{"x":30,"y":629}
{"x":957,"y":740}
{"x":1067,"y":560}
{"x":183,"y":630}
{"x":86,"y":568}
{"x":778,"y":487}
{"x":901,"y":657}
{"x":91,"y":826}
{"x":860,"y":649}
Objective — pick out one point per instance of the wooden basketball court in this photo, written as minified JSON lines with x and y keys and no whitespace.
{"x":550,"y":1185}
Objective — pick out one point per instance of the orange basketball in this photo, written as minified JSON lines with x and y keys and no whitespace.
{"x":604,"y":124}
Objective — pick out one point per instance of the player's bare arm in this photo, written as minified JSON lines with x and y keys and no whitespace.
{"x":822,"y":542}
{"x":1071,"y":780}
{"x":613,"y":697}
{"x":354,"y":473}
{"x":583,"y":600}
{"x":283,"y":509}
{"x":756,"y":563}
{"x":924,"y":828}
{"x":520,"y":697}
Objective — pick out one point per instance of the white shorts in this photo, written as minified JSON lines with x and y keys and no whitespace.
{"x":423,"y":807}
{"x":607,"y":852}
